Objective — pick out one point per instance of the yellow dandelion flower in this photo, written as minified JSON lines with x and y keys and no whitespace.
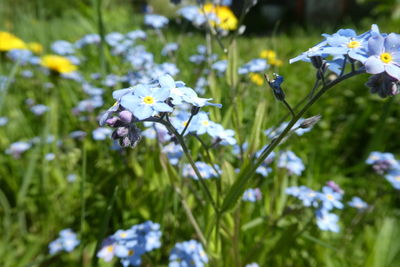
{"x":256,"y":79}
{"x":58,"y":63}
{"x":276,"y":62}
{"x":9,"y":41}
{"x":268,"y":54}
{"x":227,"y":19}
{"x":35,"y":47}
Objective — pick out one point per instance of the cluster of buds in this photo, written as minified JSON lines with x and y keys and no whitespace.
{"x":125,"y":131}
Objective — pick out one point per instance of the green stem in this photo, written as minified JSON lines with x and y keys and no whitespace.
{"x":248,"y":172}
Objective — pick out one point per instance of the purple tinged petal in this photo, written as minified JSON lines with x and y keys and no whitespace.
{"x":393,"y":71}
{"x":375,"y":45}
{"x":374,"y":66}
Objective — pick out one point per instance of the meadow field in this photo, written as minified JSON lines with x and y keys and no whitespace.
{"x":159,"y":174}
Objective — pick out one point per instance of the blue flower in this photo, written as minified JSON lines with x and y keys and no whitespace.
{"x":252,"y":195}
{"x":291,"y":162}
{"x":155,"y":21}
{"x":114,"y":38}
{"x":178,"y":91}
{"x":66,"y":241}
{"x":201,"y":124}
{"x":393,"y":177}
{"x":225,"y":136}
{"x":327,"y":221}
{"x":17,"y":148}
{"x":220,"y":66}
{"x":22,"y":55}
{"x":193,"y":14}
{"x":169,"y":48}
{"x":384,"y":55}
{"x":188,"y":254}
{"x":382,"y":162}
{"x":146,"y":101}
{"x":330,"y":199}
{"x":314,"y":51}
{"x":206,"y":171}
{"x":87,"y":40}
{"x":3,"y":121}
{"x":255,"y":65}
{"x":101,"y":133}
{"x":62,"y":47}
{"x":174,"y":152}
{"x":39,"y":109}
{"x":136,"y":34}
{"x":129,"y":245}
{"x":358,"y":203}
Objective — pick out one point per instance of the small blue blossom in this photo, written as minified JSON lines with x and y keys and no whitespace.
{"x":87,"y":40}
{"x":3,"y":121}
{"x":62,"y":47}
{"x":384,"y":55}
{"x":114,"y":38}
{"x":188,"y":254}
{"x":146,"y":101}
{"x":220,"y":66}
{"x":193,"y":14}
{"x":39,"y":109}
{"x":169,"y":49}
{"x":137,"y":34}
{"x":255,"y":65}
{"x":291,"y":162}
{"x":330,"y":199}
{"x":174,"y":152}
{"x":393,"y":177}
{"x":327,"y":221}
{"x":155,"y":21}
{"x":252,"y":195}
{"x":382,"y":162}
{"x":358,"y":203}
{"x":17,"y":148}
{"x":22,"y":55}
{"x":206,"y":171}
{"x":66,"y":241}
{"x":101,"y":133}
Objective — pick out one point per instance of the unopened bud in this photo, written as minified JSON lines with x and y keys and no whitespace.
{"x":195,"y":110}
{"x":125,"y":116}
{"x":276,"y":86}
{"x":112,"y":121}
{"x":310,"y":122}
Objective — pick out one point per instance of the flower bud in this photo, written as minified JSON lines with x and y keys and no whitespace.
{"x":310,"y":122}
{"x":276,"y":86}
{"x":125,"y":116}
{"x":316,"y":61}
{"x":112,"y":121}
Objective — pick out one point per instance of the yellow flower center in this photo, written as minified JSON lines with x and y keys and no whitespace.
{"x":386,"y":57}
{"x":131,"y":252}
{"x":148,"y":100}
{"x":184,"y":123}
{"x":205,"y":123}
{"x":109,"y":248}
{"x":123,"y":235}
{"x":397,"y":178}
{"x":330,"y":197}
{"x":353,"y":44}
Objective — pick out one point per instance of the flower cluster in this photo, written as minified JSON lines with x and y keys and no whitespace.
{"x":129,"y":245}
{"x":325,"y":202}
{"x":387,"y":165}
{"x":377,"y":53}
{"x":66,"y":241}
{"x":285,"y":160}
{"x":188,"y":254}
{"x":252,"y":195}
{"x":206,"y":171}
{"x":220,"y":17}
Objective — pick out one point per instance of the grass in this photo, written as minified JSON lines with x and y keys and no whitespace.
{"x":116,"y":189}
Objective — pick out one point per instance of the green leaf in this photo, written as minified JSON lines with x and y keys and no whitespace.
{"x":232,"y":76}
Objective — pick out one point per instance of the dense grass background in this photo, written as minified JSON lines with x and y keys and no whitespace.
{"x":36,"y":200}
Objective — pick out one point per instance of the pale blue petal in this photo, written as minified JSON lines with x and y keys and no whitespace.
{"x":161,"y":93}
{"x":166,"y":81}
{"x":375,"y":45}
{"x":129,"y":102}
{"x":392,"y":43}
{"x":141,"y":90}
{"x":119,"y":93}
{"x":393,"y":71}
{"x":374,"y":66}
{"x":162,"y":107}
{"x":142,"y":111}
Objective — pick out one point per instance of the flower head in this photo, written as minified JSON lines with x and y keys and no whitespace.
{"x":9,"y":41}
{"x":58,"y":64}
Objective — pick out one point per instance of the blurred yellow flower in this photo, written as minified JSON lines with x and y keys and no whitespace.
{"x":227,"y":20}
{"x":270,"y":55}
{"x":256,"y":79}
{"x":35,"y":47}
{"x":9,"y":41}
{"x":58,"y":63}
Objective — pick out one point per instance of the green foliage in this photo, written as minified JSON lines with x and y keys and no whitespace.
{"x":116,"y":189}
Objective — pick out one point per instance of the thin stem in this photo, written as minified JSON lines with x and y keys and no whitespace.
{"x":181,"y":141}
{"x":249,"y":171}
{"x":191,"y":218}
{"x":187,"y":124}
{"x":289,"y":108}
